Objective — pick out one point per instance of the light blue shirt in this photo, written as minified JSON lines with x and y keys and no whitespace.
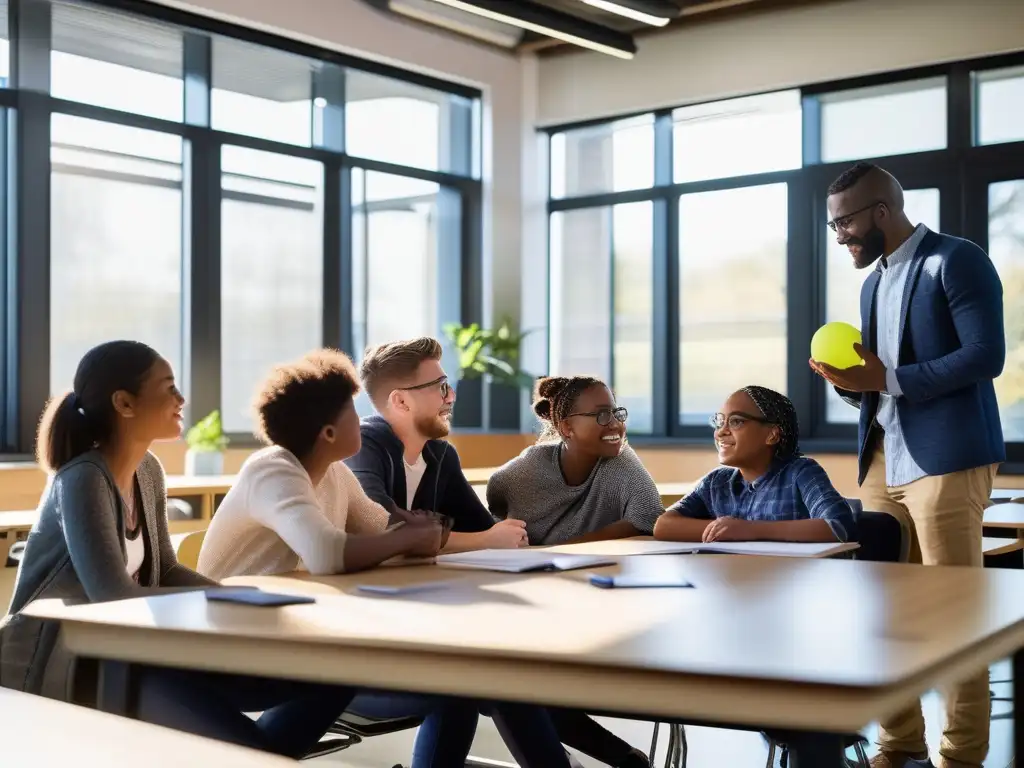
{"x":900,"y":467}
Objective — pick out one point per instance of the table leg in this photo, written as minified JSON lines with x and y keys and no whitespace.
{"x":1018,"y":704}
{"x":114,"y":688}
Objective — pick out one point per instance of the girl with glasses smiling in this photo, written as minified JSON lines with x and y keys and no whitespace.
{"x":580,"y":482}
{"x":766,"y":489}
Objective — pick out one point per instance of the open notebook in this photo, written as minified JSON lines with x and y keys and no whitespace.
{"x":626,"y":547}
{"x":521,"y":560}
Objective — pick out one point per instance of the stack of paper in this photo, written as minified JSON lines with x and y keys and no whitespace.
{"x":521,"y":560}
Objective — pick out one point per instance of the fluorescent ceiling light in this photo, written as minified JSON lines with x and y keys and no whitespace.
{"x":620,"y":8}
{"x":542,"y":20}
{"x":472,"y":25}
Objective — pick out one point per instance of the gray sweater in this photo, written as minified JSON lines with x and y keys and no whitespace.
{"x":76,"y":552}
{"x":532,"y":488}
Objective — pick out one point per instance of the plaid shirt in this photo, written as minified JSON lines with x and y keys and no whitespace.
{"x":794,"y":489}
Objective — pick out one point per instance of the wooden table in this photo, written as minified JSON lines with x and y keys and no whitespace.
{"x":827,"y":645}
{"x":206,"y":487}
{"x":45,"y":732}
{"x":478,"y":475}
{"x":1005,"y":515}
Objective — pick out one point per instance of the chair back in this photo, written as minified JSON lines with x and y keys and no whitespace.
{"x":188,"y":547}
{"x":881,"y":537}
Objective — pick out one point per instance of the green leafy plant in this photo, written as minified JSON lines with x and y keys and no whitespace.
{"x":490,"y":352}
{"x":207,"y":435}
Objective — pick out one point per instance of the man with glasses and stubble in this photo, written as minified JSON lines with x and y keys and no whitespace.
{"x":404,"y":462}
{"x":930,"y":440}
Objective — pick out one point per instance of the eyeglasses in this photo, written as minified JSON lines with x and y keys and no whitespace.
{"x":844,"y":221}
{"x":441,"y":383}
{"x":734,"y":421}
{"x":604,"y":416}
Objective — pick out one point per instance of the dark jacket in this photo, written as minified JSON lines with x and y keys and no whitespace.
{"x":443,"y":489}
{"x":952,"y":345}
{"x":76,"y":552}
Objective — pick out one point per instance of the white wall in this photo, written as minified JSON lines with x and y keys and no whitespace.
{"x":763,"y":52}
{"x":353,"y":27}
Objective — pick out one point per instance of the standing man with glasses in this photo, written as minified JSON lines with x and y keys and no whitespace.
{"x":404,"y":462}
{"x":930,"y":440}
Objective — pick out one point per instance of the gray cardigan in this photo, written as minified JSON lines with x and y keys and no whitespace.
{"x":76,"y":552}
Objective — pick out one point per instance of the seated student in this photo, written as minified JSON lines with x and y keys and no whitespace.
{"x":766,"y":490}
{"x":102,"y":535}
{"x":404,"y":462}
{"x":581,"y":482}
{"x":296,"y":501}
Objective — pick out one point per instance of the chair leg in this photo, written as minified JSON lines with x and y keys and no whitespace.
{"x":654,"y":744}
{"x":684,"y":747}
{"x":771,"y":754}
{"x":672,"y":757}
{"x":862,"y":755}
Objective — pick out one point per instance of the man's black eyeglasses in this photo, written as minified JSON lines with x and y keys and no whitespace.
{"x":441,"y":383}
{"x":604,"y":416}
{"x":842,"y":222}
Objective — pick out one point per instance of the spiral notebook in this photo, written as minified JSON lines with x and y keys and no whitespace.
{"x":521,"y":560}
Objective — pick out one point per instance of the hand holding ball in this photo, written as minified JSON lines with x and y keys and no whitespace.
{"x":832,"y":344}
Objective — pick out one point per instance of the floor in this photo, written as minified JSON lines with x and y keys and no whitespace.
{"x":708,"y":747}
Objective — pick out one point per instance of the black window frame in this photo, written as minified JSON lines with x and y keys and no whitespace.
{"x":25,"y":113}
{"x":961,"y":172}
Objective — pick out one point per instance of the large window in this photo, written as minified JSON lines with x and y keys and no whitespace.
{"x":732,"y":295}
{"x":601,"y":276}
{"x":115,"y":241}
{"x":230,"y":198}
{"x":271,"y":269}
{"x":689,"y":253}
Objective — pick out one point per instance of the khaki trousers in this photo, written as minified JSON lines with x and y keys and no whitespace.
{"x":943,"y":514}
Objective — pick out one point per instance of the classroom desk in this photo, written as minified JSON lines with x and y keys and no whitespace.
{"x":45,"y":732}
{"x":828,"y":645}
{"x":1005,"y":515}
{"x":206,"y":487}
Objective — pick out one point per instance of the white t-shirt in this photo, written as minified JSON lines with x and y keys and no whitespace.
{"x":273,"y":518}
{"x":136,"y":552}
{"x":413,"y":476}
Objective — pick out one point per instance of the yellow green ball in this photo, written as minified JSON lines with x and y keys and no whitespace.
{"x":832,"y":344}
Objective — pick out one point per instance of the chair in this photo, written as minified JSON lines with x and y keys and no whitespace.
{"x":883,"y":539}
{"x":188,"y":547}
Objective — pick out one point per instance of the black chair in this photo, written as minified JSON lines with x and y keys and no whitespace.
{"x":882,"y":539}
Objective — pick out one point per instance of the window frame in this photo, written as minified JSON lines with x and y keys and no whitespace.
{"x":27,"y":107}
{"x":961,"y":173}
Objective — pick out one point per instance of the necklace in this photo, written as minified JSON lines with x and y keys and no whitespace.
{"x":130,"y":520}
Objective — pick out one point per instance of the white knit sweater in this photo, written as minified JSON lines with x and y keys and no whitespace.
{"x":273,"y":518}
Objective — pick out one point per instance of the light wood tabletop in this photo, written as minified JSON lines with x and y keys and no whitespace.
{"x":206,"y":487}
{"x":478,"y":475}
{"x":819,"y":644}
{"x":48,"y":732}
{"x":1005,"y":515}
{"x":993,"y":546}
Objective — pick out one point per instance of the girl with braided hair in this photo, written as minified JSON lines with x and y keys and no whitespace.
{"x":766,"y":489}
{"x":580,"y":482}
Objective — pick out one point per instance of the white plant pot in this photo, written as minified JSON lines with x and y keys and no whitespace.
{"x":204,"y":462}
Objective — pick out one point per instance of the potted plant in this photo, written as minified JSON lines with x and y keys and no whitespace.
{"x":493,"y":353}
{"x":206,"y":443}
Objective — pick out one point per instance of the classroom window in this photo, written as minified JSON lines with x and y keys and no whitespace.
{"x":893,"y":119}
{"x":114,"y":60}
{"x":738,"y":137}
{"x":843,"y":284}
{"x":271,"y":270}
{"x":115,"y":241}
{"x":402,"y":229}
{"x":407,"y":124}
{"x":261,"y":92}
{"x":1006,"y":248}
{"x":602,"y":301}
{"x":999,"y":94}
{"x":732,"y":295}
{"x":611,"y":157}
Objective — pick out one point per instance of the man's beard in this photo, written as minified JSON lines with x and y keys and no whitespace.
{"x":433,"y":427}
{"x":872,"y":246}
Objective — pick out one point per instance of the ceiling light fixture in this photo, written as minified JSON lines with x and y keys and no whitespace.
{"x":655,"y":14}
{"x":527,"y":14}
{"x":473,"y":25}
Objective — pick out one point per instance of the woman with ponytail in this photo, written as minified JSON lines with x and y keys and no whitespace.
{"x":102,"y":535}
